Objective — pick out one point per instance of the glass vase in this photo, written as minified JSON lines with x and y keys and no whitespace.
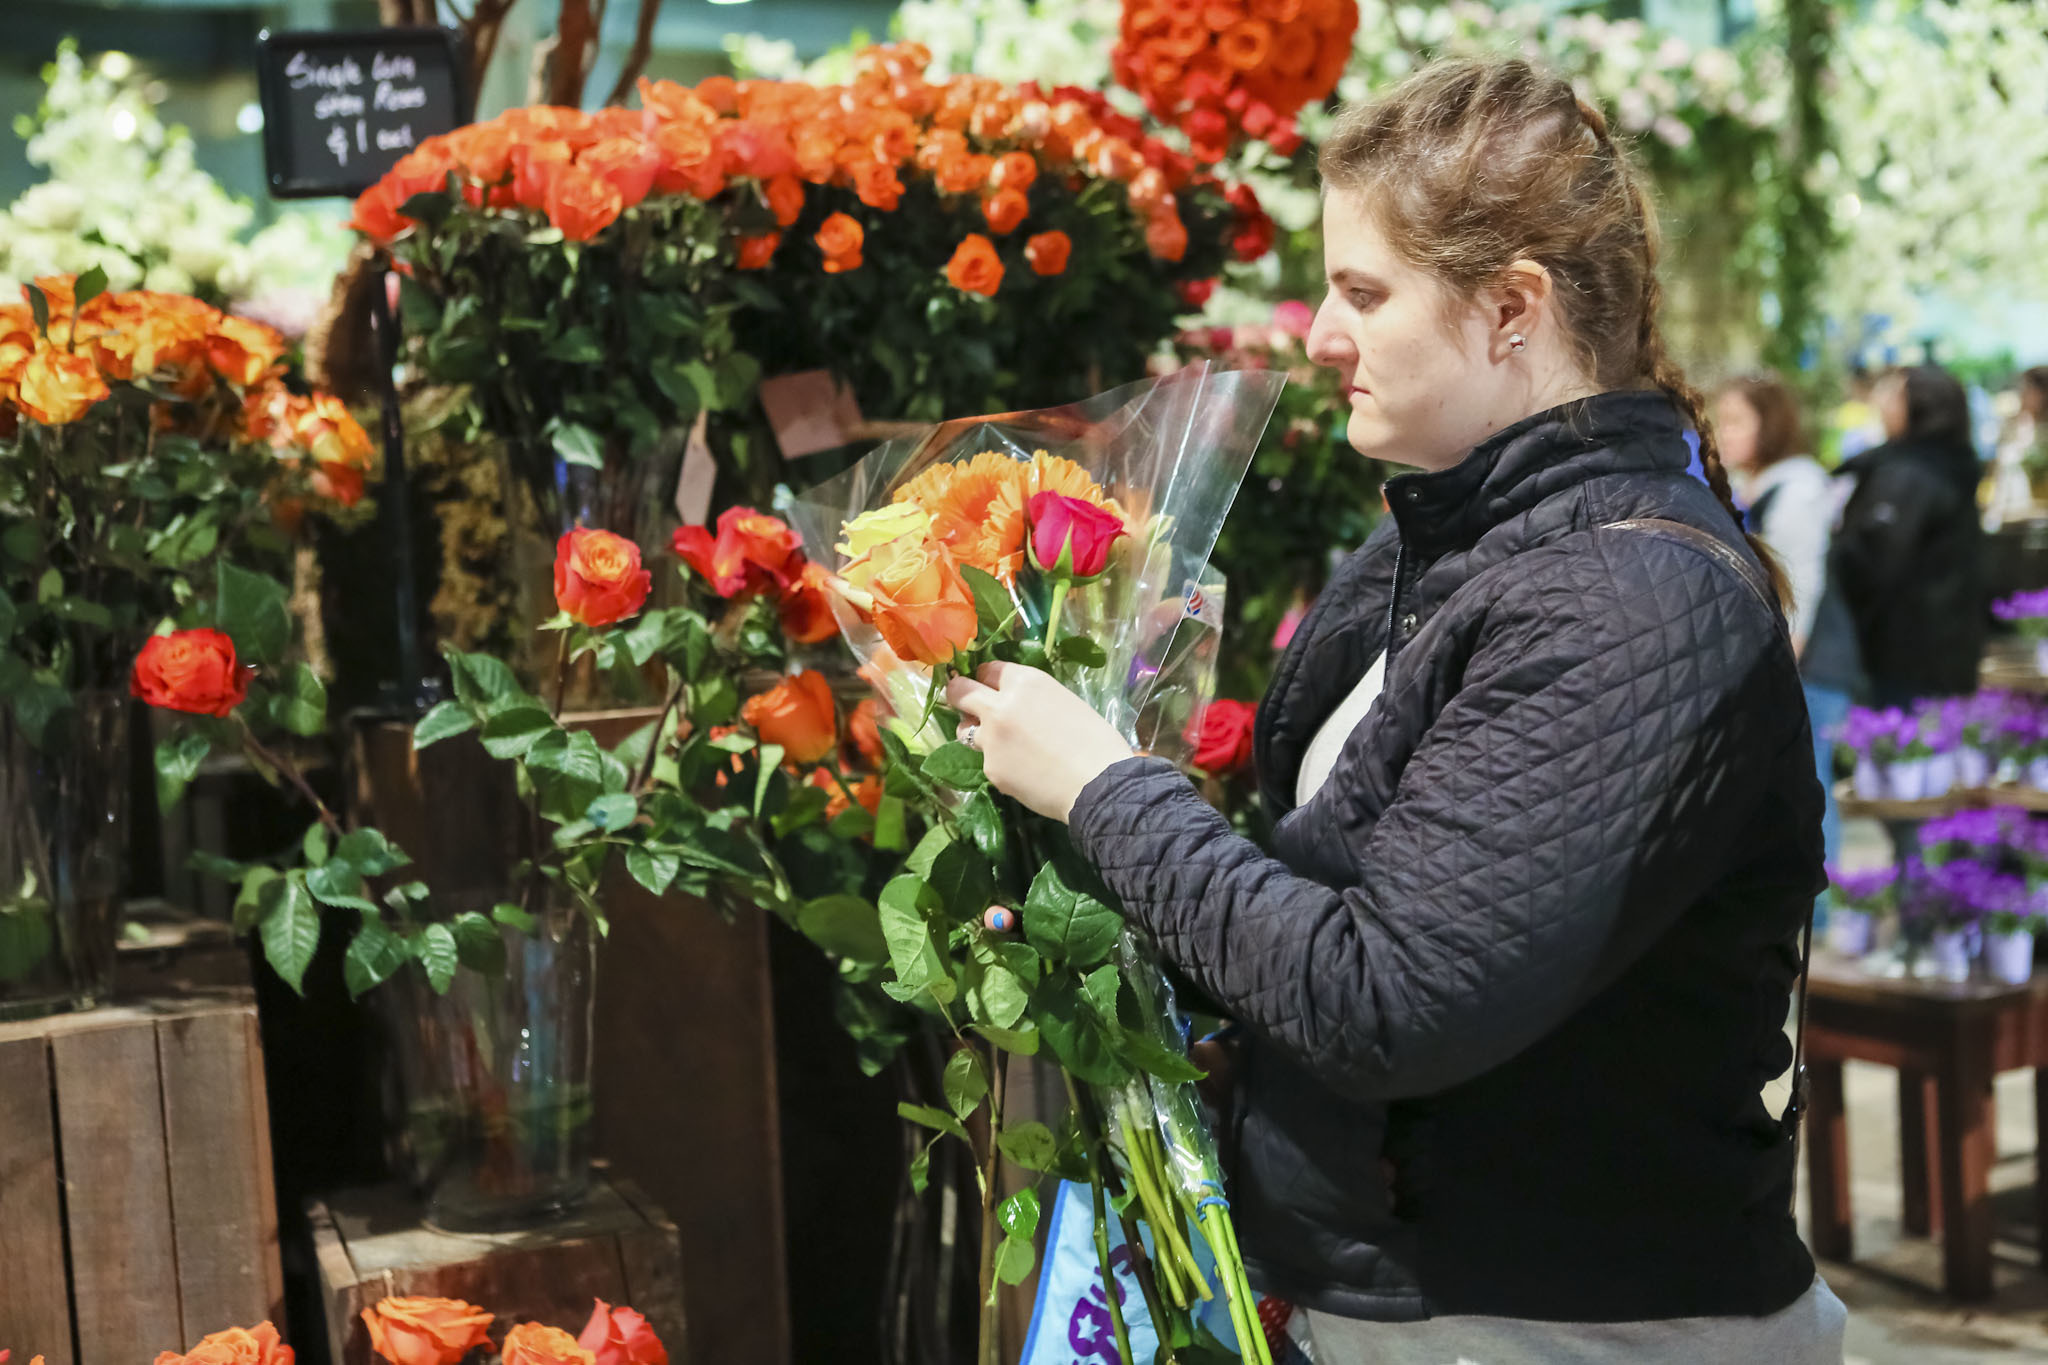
{"x":63,"y":841}
{"x":495,"y":1080}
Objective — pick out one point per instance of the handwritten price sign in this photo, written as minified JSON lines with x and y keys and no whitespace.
{"x":339,"y":109}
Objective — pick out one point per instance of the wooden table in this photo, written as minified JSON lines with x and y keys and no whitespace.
{"x":1948,"y":1042}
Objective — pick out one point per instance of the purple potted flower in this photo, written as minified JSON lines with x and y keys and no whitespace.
{"x":1862,"y":899}
{"x":1870,"y":743}
{"x":1944,"y":901}
{"x":2029,"y":612}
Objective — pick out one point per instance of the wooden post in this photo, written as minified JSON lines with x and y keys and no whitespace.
{"x":1827,"y":1162}
{"x":1969,"y":1148}
{"x":1918,"y":1140}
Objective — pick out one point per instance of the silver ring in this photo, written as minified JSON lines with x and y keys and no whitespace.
{"x":969,"y":734}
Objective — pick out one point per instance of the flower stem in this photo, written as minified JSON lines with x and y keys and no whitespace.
{"x":1109,"y":1290}
{"x":991,"y":1297}
{"x":1052,"y":613}
{"x":561,"y":673}
{"x":660,"y":735}
{"x":289,"y":771}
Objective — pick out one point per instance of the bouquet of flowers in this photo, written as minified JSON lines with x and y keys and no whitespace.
{"x":1074,"y":540}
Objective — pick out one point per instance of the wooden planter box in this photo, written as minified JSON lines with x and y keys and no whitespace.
{"x":618,"y":1247}
{"x":135,"y":1184}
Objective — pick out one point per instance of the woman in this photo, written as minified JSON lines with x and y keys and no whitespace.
{"x":1548,"y":830}
{"x":1793,"y":504}
{"x":1909,"y":553}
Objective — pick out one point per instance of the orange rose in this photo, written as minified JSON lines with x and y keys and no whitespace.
{"x":533,"y":169}
{"x":920,"y":603}
{"x":620,"y":1336}
{"x":426,"y":1331}
{"x":1165,"y":235}
{"x":877,"y":185}
{"x":806,"y":608}
{"x":752,"y":552}
{"x":193,"y":671}
{"x":975,"y":267}
{"x":241,"y":350}
{"x":1245,"y":45}
{"x":532,"y":1344}
{"x":864,"y":728}
{"x":598,"y":578}
{"x":798,"y":714}
{"x":1005,"y":209}
{"x":840,"y":238}
{"x":756,"y":252}
{"x":59,"y":386}
{"x":376,"y":214}
{"x":785,"y":195}
{"x":1048,"y":252}
{"x":867,"y":791}
{"x":579,"y":203}
{"x":628,"y":164}
{"x":258,"y":1345}
{"x":1013,"y":171}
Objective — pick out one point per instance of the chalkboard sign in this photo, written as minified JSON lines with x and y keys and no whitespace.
{"x":340,"y":108}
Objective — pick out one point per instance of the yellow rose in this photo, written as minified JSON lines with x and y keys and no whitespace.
{"x":884,"y":524}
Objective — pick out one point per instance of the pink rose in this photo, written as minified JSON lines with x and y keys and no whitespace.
{"x":1294,"y":318}
{"x":1071,"y":536}
{"x":620,"y":1336}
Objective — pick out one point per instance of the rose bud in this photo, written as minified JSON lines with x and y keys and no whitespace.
{"x":1071,"y":537}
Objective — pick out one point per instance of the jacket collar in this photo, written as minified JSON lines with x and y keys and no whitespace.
{"x":1519,"y":466}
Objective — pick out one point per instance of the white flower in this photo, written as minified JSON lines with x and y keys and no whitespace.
{"x":52,"y":205}
{"x":1674,"y":131}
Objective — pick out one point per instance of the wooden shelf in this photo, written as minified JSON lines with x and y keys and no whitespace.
{"x":1971,"y":798}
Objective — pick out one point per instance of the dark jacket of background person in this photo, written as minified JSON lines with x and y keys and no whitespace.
{"x":1909,"y":554}
{"x":1516,"y":973}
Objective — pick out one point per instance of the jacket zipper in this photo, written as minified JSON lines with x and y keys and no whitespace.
{"x":1394,"y":598}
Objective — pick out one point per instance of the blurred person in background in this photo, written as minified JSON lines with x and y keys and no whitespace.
{"x":1908,"y":554}
{"x":2022,"y":458}
{"x":1793,"y":503}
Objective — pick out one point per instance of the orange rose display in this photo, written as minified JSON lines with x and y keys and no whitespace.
{"x":427,"y":1331}
{"x":620,"y":1336}
{"x":1048,"y":251}
{"x":975,"y":267}
{"x":798,"y":713}
{"x":193,"y":671}
{"x":598,"y":578}
{"x":840,"y":238}
{"x":532,"y":1344}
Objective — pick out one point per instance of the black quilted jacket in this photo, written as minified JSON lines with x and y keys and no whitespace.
{"x":1514,"y":977}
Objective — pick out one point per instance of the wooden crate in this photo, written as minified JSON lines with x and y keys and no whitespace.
{"x":136,"y":1200}
{"x":619,"y":1247}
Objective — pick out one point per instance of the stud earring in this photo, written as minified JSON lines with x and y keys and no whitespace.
{"x":1518,"y":342}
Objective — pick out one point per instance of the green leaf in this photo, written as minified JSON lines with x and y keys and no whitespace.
{"x":771,"y":756}
{"x":373,"y":955}
{"x":8,"y":616}
{"x":509,"y":914}
{"x":926,"y":854}
{"x":1013,"y":1260}
{"x":509,"y":734}
{"x":578,"y":444}
{"x":1029,"y":1145}
{"x":905,"y":906}
{"x":1068,"y":925}
{"x":336,"y":883}
{"x":249,"y":901}
{"x":714,"y":700}
{"x":964,"y":1082}
{"x":933,"y":1118}
{"x":700,"y":378}
{"x":578,"y":346}
{"x":479,"y":943}
{"x":88,"y":287}
{"x":612,"y":812}
{"x":963,"y":881}
{"x":1099,"y":988}
{"x":845,"y":926}
{"x":644,"y":639}
{"x":38,"y":307}
{"x":429,"y":207}
{"x":24,"y":939}
{"x":370,"y":852}
{"x":436,"y":950}
{"x":1074,"y":1035}
{"x":653,"y":868}
{"x":999,"y":996}
{"x":50,"y":587}
{"x":177,"y":763}
{"x":290,"y":929}
{"x":984,"y":824}
{"x":852,"y":823}
{"x":806,"y":804}
{"x":993,"y":605}
{"x":957,"y":766}
{"x":1080,"y":651}
{"x":890,"y":833}
{"x":315,"y":845}
{"x":481,"y":680}
{"x":1018,"y":1215}
{"x":301,"y":705}
{"x":445,"y":720}
{"x":1023,"y":1040}
{"x":1156,"y":1058}
{"x":921,"y":1169}
{"x":254,"y":610}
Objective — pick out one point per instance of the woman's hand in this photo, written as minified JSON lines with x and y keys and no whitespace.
{"x":1039,"y":742}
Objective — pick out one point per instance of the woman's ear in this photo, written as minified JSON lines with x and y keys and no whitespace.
{"x":1523,"y":304}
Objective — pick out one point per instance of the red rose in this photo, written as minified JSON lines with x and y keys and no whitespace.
{"x":192,"y":671}
{"x":752,"y":552}
{"x":806,"y":607}
{"x":620,"y":1336}
{"x":1071,"y":536}
{"x":1196,"y":293}
{"x":756,"y":252}
{"x":598,"y":578}
{"x":1222,"y":736}
{"x":1048,"y":251}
